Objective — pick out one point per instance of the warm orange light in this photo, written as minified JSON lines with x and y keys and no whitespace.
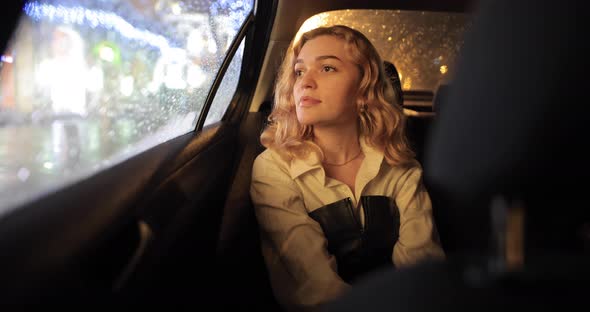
{"x":407,"y":83}
{"x":312,"y":23}
{"x":444,"y":69}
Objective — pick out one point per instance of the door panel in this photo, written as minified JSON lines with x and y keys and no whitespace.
{"x":76,"y":243}
{"x":185,"y":214}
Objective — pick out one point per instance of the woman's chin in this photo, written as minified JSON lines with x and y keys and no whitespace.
{"x":304,"y":121}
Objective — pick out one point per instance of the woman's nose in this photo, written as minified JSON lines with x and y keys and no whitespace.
{"x":307,"y":81}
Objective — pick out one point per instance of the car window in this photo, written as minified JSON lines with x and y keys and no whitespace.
{"x":227,"y":88}
{"x":422,"y":45}
{"x":87,"y":84}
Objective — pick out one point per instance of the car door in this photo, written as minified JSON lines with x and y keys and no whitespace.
{"x":113,"y":181}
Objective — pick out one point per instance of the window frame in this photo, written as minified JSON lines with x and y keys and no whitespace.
{"x":223,"y":69}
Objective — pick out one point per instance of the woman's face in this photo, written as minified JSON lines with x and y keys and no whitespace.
{"x":326,"y":83}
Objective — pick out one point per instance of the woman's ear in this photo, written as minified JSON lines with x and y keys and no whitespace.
{"x":361,"y":103}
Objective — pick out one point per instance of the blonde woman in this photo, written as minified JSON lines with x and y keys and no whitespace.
{"x":337,"y":192}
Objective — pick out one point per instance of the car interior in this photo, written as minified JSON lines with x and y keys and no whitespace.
{"x":174,"y":223}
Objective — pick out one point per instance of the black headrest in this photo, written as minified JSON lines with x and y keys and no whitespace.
{"x":511,"y":118}
{"x":514,"y":120}
{"x":442,"y":92}
{"x":393,"y":76}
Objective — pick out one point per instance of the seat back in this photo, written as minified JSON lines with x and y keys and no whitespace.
{"x":511,"y":129}
{"x":243,"y":276}
{"x":442,"y":92}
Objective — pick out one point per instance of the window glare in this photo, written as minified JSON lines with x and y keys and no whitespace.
{"x":87,"y":84}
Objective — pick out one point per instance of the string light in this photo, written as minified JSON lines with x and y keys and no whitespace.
{"x":94,"y":18}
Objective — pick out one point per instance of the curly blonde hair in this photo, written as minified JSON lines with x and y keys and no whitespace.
{"x":381,"y":118}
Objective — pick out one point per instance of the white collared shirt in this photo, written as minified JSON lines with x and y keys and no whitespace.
{"x":302,"y":272}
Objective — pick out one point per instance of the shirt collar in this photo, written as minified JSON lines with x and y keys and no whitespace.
{"x":300,"y":166}
{"x":369,"y":168}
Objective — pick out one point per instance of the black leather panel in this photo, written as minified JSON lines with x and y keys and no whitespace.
{"x":359,"y":250}
{"x":382,"y":228}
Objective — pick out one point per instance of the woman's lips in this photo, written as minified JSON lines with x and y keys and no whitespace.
{"x":307,"y":101}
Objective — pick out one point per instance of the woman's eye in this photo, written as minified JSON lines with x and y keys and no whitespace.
{"x":298,"y":72}
{"x":327,"y":68}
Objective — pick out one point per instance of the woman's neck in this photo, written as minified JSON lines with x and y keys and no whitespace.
{"x":338,"y":144}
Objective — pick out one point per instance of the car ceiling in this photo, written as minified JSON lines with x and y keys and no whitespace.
{"x":290,"y":15}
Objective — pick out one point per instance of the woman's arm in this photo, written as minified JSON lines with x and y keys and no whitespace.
{"x":418,"y":237}
{"x":303,"y":274}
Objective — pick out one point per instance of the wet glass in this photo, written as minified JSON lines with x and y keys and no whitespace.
{"x":422,"y":45}
{"x":87,"y":84}
{"x":227,"y":88}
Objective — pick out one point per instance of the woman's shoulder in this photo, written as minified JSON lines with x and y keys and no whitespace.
{"x":412,"y":170}
{"x":270,"y":156}
{"x":269,"y":161}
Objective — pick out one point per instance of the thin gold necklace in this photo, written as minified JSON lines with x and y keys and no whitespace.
{"x":346,"y":162}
